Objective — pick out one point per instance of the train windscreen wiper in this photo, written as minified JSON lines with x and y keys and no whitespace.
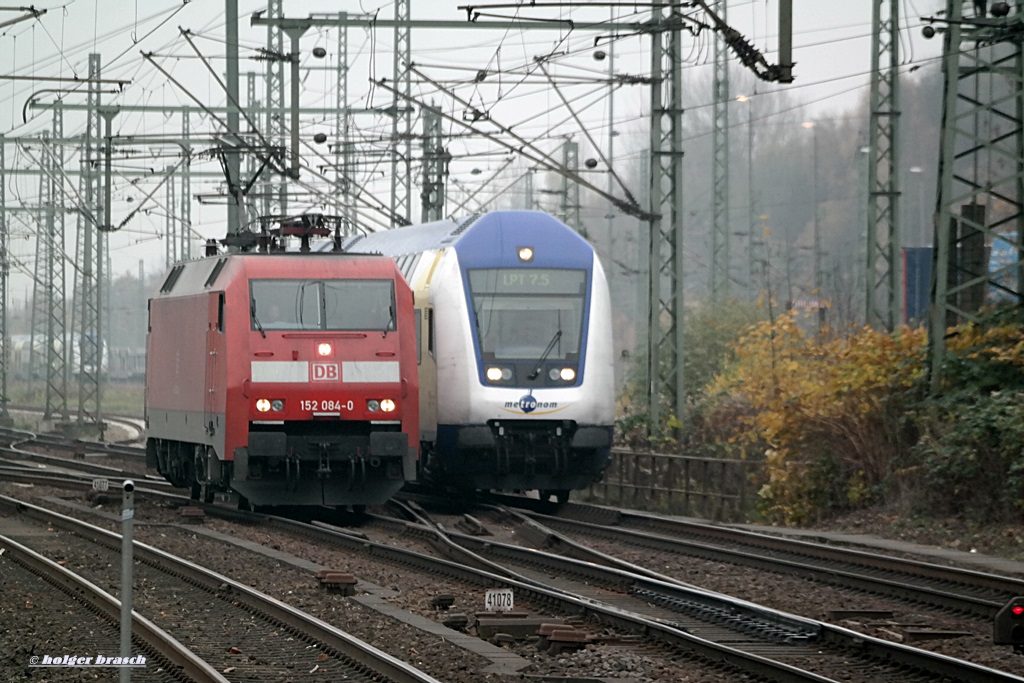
{"x":544,"y":356}
{"x":252,"y":312}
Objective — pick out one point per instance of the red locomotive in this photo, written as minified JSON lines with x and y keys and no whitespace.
{"x":289,"y":378}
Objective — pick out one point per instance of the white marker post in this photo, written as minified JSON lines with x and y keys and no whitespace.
{"x":127,"y":514}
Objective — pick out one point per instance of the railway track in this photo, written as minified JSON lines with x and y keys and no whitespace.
{"x":49,"y":589}
{"x":702,"y":613}
{"x":687,"y":623}
{"x":638,"y":601}
{"x":956,"y":589}
{"x":206,"y":610}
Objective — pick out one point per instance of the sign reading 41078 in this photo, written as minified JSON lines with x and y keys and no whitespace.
{"x":498,"y":600}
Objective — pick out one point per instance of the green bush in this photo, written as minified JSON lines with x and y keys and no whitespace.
{"x":971,"y":453}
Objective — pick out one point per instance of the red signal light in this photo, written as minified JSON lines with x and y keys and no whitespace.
{"x":1017,"y":610}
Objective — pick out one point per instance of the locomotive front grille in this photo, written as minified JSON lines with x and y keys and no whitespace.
{"x":307,"y":449}
{"x":520,"y":454}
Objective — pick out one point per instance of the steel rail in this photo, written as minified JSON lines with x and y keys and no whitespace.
{"x":349,"y":646}
{"x":89,"y":594}
{"x":656,"y":630}
{"x":677,"y":534}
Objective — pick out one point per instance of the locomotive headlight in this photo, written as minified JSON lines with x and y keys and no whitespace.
{"x":277,"y":405}
{"x":373,"y":405}
{"x":387,"y":405}
{"x":525,"y":254}
{"x":263,"y":405}
{"x":494,"y":374}
{"x":324,"y":349}
{"x":567,"y":374}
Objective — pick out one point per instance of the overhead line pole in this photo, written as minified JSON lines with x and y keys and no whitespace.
{"x":979,"y":214}
{"x":90,"y":258}
{"x":233,"y":160}
{"x":884,"y":259}
{"x":401,"y":121}
{"x":275,"y":185}
{"x":720,"y":276}
{"x":5,"y":272}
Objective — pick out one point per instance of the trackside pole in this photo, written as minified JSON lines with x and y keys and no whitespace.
{"x":127,"y":514}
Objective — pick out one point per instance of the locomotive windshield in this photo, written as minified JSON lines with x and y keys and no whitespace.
{"x":520,"y":311}
{"x":356,"y":305}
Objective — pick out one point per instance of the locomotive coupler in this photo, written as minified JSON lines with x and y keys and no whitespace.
{"x":323,"y":469}
{"x":502,"y":457}
{"x":293,"y":469}
{"x":530,"y":459}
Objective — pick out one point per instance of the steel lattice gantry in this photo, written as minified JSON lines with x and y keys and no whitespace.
{"x":5,"y":273}
{"x":48,"y":299}
{"x":41,"y":340}
{"x":978,"y":219}
{"x":665,"y":350}
{"x":570,"y":194}
{"x":275,"y":123}
{"x":883,"y":301}
{"x":435,"y":167}
{"x":401,"y":126}
{"x":720,"y":276}
{"x":90,"y":258}
{"x":343,"y":166}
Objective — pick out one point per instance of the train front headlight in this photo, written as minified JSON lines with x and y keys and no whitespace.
{"x":563,"y":374}
{"x":498,"y":374}
{"x":387,"y":405}
{"x":263,"y":405}
{"x":373,"y":405}
{"x":277,"y":405}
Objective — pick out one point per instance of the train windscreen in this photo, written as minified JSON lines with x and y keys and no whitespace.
{"x":521,"y":312}
{"x":339,"y":305}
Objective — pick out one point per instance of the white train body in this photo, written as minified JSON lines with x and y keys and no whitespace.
{"x":516,"y":368}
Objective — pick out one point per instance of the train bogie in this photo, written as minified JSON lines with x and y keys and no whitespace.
{"x":288,"y":379}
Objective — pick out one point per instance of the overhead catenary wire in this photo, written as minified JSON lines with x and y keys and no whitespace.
{"x":367,"y":130}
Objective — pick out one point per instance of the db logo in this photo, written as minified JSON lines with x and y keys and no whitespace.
{"x":325,"y":372}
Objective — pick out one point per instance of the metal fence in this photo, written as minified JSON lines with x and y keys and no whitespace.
{"x":710,"y":488}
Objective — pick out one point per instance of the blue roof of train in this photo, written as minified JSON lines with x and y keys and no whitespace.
{"x":479,"y":241}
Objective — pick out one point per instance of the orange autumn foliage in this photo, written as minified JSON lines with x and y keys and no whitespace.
{"x":822,"y":410}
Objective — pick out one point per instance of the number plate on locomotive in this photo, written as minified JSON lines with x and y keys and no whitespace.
{"x":498,"y":600}
{"x":326,"y":405}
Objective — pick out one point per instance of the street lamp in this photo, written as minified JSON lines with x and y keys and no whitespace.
{"x":750,"y":189}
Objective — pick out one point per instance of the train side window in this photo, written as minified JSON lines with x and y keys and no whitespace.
{"x":220,"y":312}
{"x":430,"y":331}
{"x":419,"y":333}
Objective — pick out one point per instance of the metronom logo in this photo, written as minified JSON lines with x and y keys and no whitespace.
{"x":528,"y":404}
